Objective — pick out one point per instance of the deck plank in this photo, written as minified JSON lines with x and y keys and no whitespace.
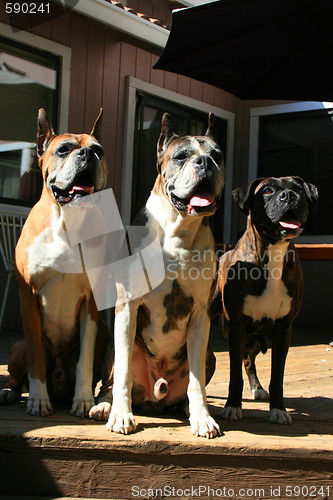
{"x":61,"y":455}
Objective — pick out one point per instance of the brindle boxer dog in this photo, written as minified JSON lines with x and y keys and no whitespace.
{"x":261,"y":285}
{"x":59,"y":314}
{"x":161,"y":338}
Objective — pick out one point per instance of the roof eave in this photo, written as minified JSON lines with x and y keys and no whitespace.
{"x":126,"y":22}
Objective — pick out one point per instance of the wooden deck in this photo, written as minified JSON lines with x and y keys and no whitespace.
{"x":63,"y":456}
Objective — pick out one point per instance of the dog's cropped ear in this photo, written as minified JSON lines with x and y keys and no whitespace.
{"x":210,"y":132}
{"x":243,"y":195}
{"x":166,"y":135}
{"x":96,"y":130}
{"x":45,"y":132}
{"x":310,"y":191}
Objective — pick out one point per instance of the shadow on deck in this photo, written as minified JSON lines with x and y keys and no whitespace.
{"x":64,"y":456}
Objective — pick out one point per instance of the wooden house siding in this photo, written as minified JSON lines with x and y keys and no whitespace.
{"x":101,"y":61}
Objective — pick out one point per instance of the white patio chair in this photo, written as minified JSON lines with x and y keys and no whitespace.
{"x":11,"y":223}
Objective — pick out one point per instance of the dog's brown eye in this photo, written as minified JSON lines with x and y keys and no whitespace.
{"x":181,"y":156}
{"x":98,"y":150}
{"x":217,"y":157}
{"x":268,"y":190}
{"x":64,"y":150}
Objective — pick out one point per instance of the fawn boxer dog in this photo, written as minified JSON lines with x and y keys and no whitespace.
{"x":261,"y":285}
{"x":59,"y":315}
{"x":161,"y":338}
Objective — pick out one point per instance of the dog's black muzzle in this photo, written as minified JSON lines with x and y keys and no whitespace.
{"x":85,"y":162}
{"x":286,"y":216}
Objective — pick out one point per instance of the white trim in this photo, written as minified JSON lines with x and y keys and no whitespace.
{"x":255,"y":114}
{"x":194,"y":3}
{"x":54,"y":48}
{"x":133,"y":85}
{"x":14,"y":209}
{"x":121,"y":20}
{"x":16,"y":146}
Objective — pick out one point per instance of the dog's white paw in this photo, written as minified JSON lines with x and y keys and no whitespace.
{"x":7,"y":396}
{"x":39,"y":407}
{"x":82,"y":405}
{"x":205,"y":427}
{"x":231,"y":413}
{"x":122,"y":422}
{"x":260,"y":394}
{"x":101,"y":411}
{"x":280,"y":417}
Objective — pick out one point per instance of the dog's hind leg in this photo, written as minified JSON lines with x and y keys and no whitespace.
{"x":18,"y":372}
{"x":257,"y":390}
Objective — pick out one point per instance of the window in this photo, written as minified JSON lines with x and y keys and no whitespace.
{"x":301,"y":144}
{"x":28,"y":81}
{"x":296,"y":139}
{"x":149,"y":112}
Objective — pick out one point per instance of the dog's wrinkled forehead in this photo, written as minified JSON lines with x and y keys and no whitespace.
{"x":279,"y":183}
{"x":71,"y":142}
{"x":182,"y":149}
{"x":62,"y":147}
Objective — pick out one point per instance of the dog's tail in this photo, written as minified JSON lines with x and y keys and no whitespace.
{"x":215,"y":307}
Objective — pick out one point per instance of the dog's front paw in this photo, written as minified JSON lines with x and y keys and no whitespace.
{"x":205,"y":427}
{"x":260,"y":395}
{"x":231,"y":413}
{"x":280,"y":417}
{"x":39,"y":407}
{"x":8,"y":396}
{"x":121,"y":422}
{"x":82,"y":405}
{"x":101,"y":411}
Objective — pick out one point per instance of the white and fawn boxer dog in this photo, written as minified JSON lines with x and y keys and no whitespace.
{"x":161,"y":338}
{"x":261,"y":285}
{"x":59,"y":314}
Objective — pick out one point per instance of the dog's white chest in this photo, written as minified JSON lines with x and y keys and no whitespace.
{"x":274,"y":302}
{"x":57,"y":275}
{"x":51,"y":253}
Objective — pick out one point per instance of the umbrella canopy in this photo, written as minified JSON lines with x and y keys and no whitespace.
{"x":255,"y":49}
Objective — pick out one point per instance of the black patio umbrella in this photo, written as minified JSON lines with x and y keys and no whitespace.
{"x":256,"y":49}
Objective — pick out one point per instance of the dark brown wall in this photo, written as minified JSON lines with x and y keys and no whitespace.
{"x":101,"y":61}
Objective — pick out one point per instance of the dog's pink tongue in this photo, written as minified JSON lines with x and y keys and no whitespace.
{"x":290,"y":225}
{"x":202,"y":200}
{"x":86,"y":189}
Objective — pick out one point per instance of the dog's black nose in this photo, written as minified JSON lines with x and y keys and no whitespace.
{"x":204,"y":162}
{"x":85,"y":154}
{"x":286,"y":195}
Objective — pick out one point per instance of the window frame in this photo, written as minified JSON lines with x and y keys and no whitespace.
{"x":33,"y":42}
{"x":133,"y":86}
{"x":255,"y":115}
{"x":63,"y":52}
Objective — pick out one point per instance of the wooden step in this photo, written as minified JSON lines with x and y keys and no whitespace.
{"x":63,"y":456}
